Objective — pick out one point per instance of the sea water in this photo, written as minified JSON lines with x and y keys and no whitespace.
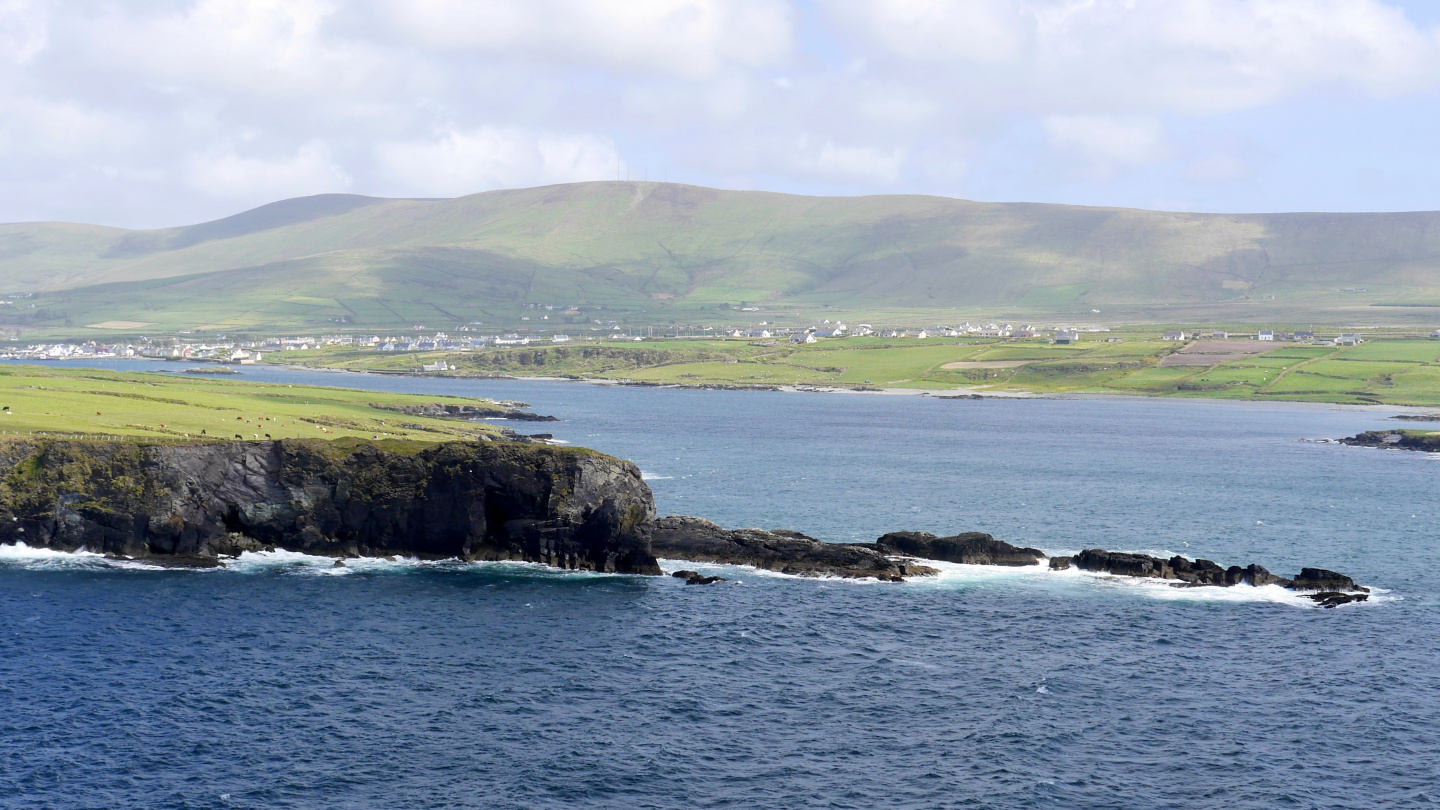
{"x":281,"y":681}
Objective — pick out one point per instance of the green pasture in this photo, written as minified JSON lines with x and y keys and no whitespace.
{"x":1391,"y":371}
{"x":161,"y":406}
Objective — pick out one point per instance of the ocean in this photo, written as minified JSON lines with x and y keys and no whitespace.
{"x":282,"y":682}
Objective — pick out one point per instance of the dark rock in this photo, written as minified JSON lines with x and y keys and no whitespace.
{"x":447,"y":410}
{"x":1255,"y":575}
{"x":689,"y":538}
{"x":1060,"y":563}
{"x":1395,"y":440}
{"x":339,"y":564}
{"x":969,"y":548}
{"x":683,"y":574}
{"x":1319,"y":579}
{"x":701,"y":580}
{"x":1205,"y":572}
{"x":571,"y":508}
{"x":1122,"y":564}
{"x":1333,"y":599}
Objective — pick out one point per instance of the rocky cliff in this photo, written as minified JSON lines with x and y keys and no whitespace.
{"x":571,"y":508}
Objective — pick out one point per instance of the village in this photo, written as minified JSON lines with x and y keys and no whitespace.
{"x":221,"y":349}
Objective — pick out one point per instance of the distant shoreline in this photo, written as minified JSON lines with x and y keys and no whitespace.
{"x":934,"y":393}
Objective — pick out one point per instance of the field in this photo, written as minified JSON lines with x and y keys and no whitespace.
{"x":1394,"y":370}
{"x":83,"y":402}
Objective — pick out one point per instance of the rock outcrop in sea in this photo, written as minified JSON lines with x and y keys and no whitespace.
{"x":1396,"y":440}
{"x":681,"y":537}
{"x":1324,"y":585}
{"x":567,"y":507}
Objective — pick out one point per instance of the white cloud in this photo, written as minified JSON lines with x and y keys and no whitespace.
{"x":186,"y":108}
{"x":983,"y":31}
{"x":1109,"y":142}
{"x":464,"y":162}
{"x":23,"y":30}
{"x":1191,"y":56}
{"x":310,"y":170}
{"x":831,"y":162}
{"x":32,"y":127}
{"x":691,"y":38}
{"x":274,"y":48}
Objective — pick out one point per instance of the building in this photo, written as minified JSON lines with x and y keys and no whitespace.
{"x":1349,"y":339}
{"x":1304,"y":335}
{"x":802,"y":338}
{"x":560,"y":339}
{"x":1174,"y":336}
{"x":1066,"y":338}
{"x":1265,"y":334}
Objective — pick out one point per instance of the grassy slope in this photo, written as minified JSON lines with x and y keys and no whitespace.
{"x":388,"y":262}
{"x":1390,"y":371}
{"x":156,"y":406}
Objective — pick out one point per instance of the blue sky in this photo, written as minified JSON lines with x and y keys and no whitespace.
{"x":161,"y":112}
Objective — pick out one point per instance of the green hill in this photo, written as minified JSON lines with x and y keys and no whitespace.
{"x":682,"y":250}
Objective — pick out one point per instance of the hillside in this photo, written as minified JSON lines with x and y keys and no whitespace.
{"x":625,"y":246}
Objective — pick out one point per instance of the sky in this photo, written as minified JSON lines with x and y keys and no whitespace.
{"x":151,"y":113}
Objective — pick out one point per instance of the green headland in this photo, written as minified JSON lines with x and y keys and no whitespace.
{"x":85,"y":403}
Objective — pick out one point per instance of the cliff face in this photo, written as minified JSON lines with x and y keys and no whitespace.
{"x":569,"y":508}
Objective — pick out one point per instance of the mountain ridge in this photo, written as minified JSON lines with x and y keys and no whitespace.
{"x":633,"y":244}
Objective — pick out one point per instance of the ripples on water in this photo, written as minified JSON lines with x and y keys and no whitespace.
{"x":286,"y":683}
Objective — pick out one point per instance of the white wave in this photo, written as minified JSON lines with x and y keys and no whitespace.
{"x":653,"y":477}
{"x":731,"y":571}
{"x":24,"y":554}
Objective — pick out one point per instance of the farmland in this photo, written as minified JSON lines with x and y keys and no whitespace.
{"x":1381,"y":371}
{"x":128,"y":405}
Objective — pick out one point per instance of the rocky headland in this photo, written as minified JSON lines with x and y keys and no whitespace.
{"x":566,"y":507}
{"x":196,"y":504}
{"x":1396,"y":440}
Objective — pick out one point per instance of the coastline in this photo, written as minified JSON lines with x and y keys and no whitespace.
{"x":934,"y":393}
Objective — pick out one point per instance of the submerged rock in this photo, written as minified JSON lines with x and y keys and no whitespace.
{"x":1334,"y":599}
{"x":570,"y":508}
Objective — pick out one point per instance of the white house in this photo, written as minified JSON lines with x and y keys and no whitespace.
{"x":802,"y":337}
{"x":1265,"y":334}
{"x":560,"y":339}
{"x":1174,"y":336}
{"x":1349,"y":339}
{"x":1065,"y":338}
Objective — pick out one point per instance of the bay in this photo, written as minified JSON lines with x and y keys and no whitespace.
{"x":284,"y":683}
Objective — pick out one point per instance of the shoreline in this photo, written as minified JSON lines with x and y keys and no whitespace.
{"x":933,"y":393}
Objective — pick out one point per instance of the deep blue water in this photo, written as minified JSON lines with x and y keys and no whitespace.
{"x":285,"y":683}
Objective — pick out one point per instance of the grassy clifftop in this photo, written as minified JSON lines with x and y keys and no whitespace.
{"x":381,"y":263}
{"x":99,"y":404}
